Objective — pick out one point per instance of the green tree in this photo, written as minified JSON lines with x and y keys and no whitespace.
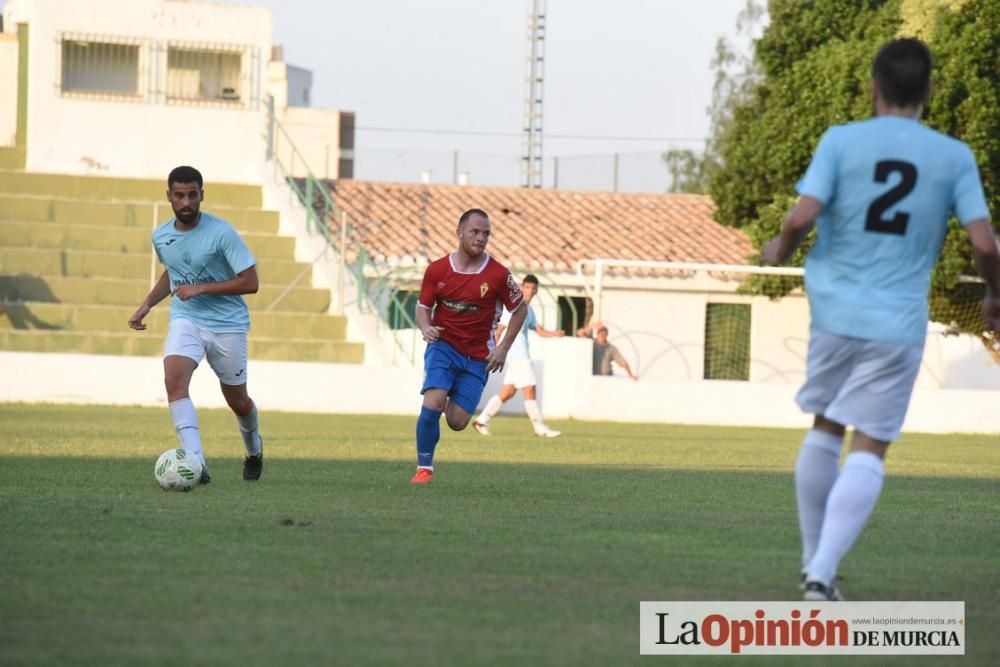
{"x":687,"y":171}
{"x":815,"y":59}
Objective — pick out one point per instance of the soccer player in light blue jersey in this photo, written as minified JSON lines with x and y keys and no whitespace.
{"x":880,"y":192}
{"x":208,"y":268}
{"x":520,"y":374}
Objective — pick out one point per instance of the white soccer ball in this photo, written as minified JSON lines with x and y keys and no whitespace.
{"x":177,"y":470}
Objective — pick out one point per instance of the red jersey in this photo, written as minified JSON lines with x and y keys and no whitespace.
{"x":469,"y":305}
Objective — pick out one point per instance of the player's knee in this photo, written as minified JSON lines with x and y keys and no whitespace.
{"x":458,"y":422}
{"x":435,"y":404}
{"x":176,"y":385}
{"x":241,"y":405}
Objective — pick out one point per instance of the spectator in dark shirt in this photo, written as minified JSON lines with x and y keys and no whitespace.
{"x":604,"y":352}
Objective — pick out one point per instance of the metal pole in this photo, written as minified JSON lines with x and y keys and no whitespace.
{"x":555,"y":173}
{"x":616,"y":173}
{"x":598,"y":280}
{"x":342,"y":269}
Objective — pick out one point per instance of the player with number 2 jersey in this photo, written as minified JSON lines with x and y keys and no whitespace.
{"x":880,"y":192}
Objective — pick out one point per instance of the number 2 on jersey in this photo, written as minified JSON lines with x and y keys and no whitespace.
{"x":897,"y":223}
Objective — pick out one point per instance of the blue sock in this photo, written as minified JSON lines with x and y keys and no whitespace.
{"x":428,"y":434}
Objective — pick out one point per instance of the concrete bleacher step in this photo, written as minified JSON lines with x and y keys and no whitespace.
{"x":104,"y":187}
{"x":30,"y":208}
{"x":136,"y":266}
{"x":141,"y":343}
{"x":107,"y":291}
{"x":114,"y":319}
{"x":76,"y":259}
{"x":119,"y":239}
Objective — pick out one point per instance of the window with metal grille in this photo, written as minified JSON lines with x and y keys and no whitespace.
{"x":727,"y":341}
{"x":403,"y":309}
{"x":100,"y":67}
{"x":204,"y":75}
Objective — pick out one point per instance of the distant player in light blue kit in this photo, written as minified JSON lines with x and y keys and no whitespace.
{"x":519,"y":373}
{"x":880,"y":192}
{"x":208,"y":268}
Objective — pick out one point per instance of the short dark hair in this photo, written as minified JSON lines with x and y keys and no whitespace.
{"x":902,"y":71}
{"x":471,"y":212}
{"x":530,"y":279}
{"x":185,"y":175}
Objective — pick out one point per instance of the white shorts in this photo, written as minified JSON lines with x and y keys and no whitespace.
{"x":860,"y":383}
{"x":226,"y":352}
{"x":520,"y":373}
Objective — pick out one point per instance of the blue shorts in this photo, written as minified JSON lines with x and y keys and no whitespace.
{"x":462,"y":377}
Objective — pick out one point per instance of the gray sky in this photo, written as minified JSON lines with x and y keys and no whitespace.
{"x":614,"y":68}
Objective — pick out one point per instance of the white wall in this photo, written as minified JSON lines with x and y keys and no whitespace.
{"x":316,"y":133}
{"x":145,"y":137}
{"x":661,"y":333}
{"x":299,"y":87}
{"x":8,"y":88}
{"x":566,"y":391}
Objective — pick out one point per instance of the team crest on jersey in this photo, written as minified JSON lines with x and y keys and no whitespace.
{"x":186,"y":257}
{"x":483,"y":289}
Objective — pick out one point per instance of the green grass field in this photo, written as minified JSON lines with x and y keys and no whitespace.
{"x":521,"y":552}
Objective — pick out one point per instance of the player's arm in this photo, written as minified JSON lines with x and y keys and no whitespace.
{"x":619,"y":359}
{"x":987,"y":257}
{"x":500,"y":329}
{"x":548,"y":333}
{"x":429,"y":332}
{"x":498,"y":356}
{"x":245,"y":282}
{"x":159,"y":292}
{"x":425,"y":302}
{"x":797,"y":224}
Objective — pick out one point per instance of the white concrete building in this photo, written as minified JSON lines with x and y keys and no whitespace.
{"x":135,"y":88}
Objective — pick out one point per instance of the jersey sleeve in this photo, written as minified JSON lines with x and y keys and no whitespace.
{"x":428,"y":295}
{"x":968,"y":199}
{"x":235,"y":251}
{"x":156,"y":249}
{"x":820,"y":179}
{"x":511,"y":293}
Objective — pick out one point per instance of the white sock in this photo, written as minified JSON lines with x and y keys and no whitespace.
{"x":815,"y":473}
{"x":186,"y":424}
{"x":249,"y":431}
{"x":535,"y":415}
{"x":851,"y":502}
{"x":492,"y":407}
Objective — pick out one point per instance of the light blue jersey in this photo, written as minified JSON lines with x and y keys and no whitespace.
{"x":888,"y":185}
{"x":519,"y":350}
{"x":212,"y":252}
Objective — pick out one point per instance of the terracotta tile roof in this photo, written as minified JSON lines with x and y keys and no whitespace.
{"x":538,"y":229}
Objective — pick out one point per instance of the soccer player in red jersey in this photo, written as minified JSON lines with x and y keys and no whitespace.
{"x":461,"y":300}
